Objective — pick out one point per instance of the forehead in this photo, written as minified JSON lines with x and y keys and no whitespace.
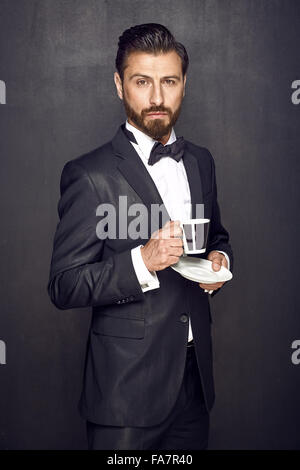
{"x":145,"y":63}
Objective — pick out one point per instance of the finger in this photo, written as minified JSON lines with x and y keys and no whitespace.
{"x":207,"y":289}
{"x":175,"y":251}
{"x":210,"y":290}
{"x":217,"y":285}
{"x":217,"y":259}
{"x":177,"y":230}
{"x":216,"y":263}
{"x":175,"y":242}
{"x":164,"y":231}
{"x":211,"y":286}
{"x":172,"y":229}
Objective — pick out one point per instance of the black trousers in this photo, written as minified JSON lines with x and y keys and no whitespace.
{"x":186,"y":427}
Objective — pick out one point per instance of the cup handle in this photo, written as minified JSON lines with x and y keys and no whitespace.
{"x":183,"y":254}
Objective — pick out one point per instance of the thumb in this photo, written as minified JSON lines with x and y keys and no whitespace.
{"x":216,"y":263}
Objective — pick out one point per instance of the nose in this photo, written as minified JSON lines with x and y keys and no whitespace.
{"x":156,"y":97}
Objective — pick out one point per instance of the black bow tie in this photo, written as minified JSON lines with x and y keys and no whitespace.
{"x":174,"y":150}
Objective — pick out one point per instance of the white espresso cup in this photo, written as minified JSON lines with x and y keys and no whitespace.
{"x":194,"y":235}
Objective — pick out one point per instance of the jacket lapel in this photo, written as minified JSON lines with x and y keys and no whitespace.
{"x":195,"y":183}
{"x":133,"y":169}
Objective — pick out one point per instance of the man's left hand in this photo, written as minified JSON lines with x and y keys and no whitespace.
{"x":218,"y":260}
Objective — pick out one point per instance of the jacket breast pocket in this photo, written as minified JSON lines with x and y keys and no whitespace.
{"x":118,"y":326}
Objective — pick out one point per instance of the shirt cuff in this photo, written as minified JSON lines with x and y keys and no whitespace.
{"x":148,"y":279}
{"x":227,"y":258}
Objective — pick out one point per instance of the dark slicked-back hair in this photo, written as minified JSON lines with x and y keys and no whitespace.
{"x":152,"y":38}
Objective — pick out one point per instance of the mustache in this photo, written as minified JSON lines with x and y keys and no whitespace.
{"x":157,"y":109}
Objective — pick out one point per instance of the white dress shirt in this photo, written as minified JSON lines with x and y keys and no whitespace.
{"x":171,"y":181}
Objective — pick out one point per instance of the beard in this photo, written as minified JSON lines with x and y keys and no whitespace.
{"x":155,"y":128}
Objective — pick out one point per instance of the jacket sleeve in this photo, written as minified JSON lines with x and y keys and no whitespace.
{"x":78,"y":275}
{"x":218,"y":235}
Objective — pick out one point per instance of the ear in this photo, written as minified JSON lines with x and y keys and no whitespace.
{"x":118,"y":83}
{"x":184,"y":82}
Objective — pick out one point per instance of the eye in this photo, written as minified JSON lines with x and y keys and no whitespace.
{"x":141,"y":82}
{"x":168,"y":81}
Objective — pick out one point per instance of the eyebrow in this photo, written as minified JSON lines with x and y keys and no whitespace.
{"x":147,"y":76}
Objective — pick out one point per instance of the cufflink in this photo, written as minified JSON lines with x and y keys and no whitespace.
{"x":209,"y":291}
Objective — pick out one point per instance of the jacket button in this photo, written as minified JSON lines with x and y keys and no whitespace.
{"x":184,"y":318}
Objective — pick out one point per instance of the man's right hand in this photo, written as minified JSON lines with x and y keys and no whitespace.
{"x":164,"y":247}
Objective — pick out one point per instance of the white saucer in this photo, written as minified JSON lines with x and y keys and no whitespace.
{"x":200,"y":270}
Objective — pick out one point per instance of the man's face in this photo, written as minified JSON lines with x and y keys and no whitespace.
{"x":152,"y":91}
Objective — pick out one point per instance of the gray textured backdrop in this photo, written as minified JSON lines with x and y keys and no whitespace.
{"x":57,"y":59}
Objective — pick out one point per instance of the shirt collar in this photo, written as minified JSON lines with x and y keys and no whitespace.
{"x":145,"y":142}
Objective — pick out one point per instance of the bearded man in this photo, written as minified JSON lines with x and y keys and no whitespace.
{"x":148,"y":376}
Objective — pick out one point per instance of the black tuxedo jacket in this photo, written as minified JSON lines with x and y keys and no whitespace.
{"x":137,"y":341}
